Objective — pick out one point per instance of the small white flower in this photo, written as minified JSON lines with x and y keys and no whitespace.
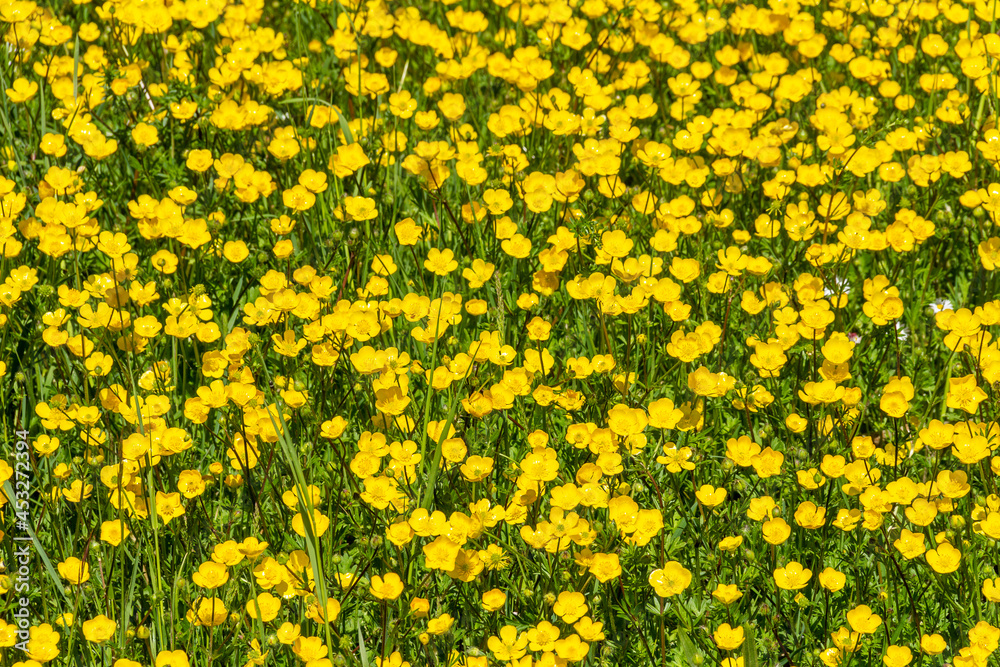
{"x":939,"y":305}
{"x":840,"y":286}
{"x":902,"y":331}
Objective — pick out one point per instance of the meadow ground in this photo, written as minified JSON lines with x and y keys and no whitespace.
{"x":526,"y":333}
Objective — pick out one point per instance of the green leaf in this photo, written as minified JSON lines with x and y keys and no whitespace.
{"x":346,"y":128}
{"x":363,"y":650}
{"x":39,"y":549}
{"x":687,"y":646}
{"x":750,"y":658}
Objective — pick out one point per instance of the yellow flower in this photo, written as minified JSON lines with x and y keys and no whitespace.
{"x":479,"y":273}
{"x":286,"y":345}
{"x":572,"y":649}
{"x":731,"y":543}
{"x":22,"y":90}
{"x":380,"y":491}
{"x":792,"y":577}
{"x":570,"y":606}
{"x":910,"y":544}
{"x":894,"y":404}
{"x":809,"y":516}
{"x":944,"y":559}
{"x":74,"y":570}
{"x":440,"y":624}
{"x":710,"y":497}
{"x":965,"y":394}
{"x":320,"y":523}
{"x":235,"y":251}
{"x":932,"y":644}
{"x":407,"y":231}
{"x":862,"y":619}
{"x":626,"y":421}
{"x":191,"y":483}
{"x":991,"y":589}
{"x":393,"y":660}
{"x":288,"y":633}
{"x":776,"y":530}
{"x":767,"y":463}
{"x":440,"y":262}
{"x":168,"y":506}
{"x":209,"y":612}
{"x":845,"y":639}
{"x":477,"y":468}
{"x":832,"y":580}
{"x":671,"y":580}
{"x":542,"y":637}
{"x":989,"y":250}
{"x":540,"y":466}
{"x":164,"y":261}
{"x":494,"y":600}
{"x":255,"y":656}
{"x":360,"y":208}
{"x":309,"y":648}
{"x":616,"y":243}
{"x":832,"y":657}
{"x":605,"y":567}
{"x":419,"y":607}
{"x":113,"y":244}
{"x":728,"y":638}
{"x":452,"y":105}
{"x":99,"y":629}
{"x":199,"y":160}
{"x":210,"y":575}
{"x":298,"y":198}
{"x":517,"y":246}
{"x":685,"y":270}
{"x":727,"y":593}
{"x":114,"y":531}
{"x":349,"y":159}
{"x":388,"y":587}
{"x":663,"y":414}
{"x":264,"y":607}
{"x":796,"y":423}
{"x":441,"y":554}
{"x":509,"y":645}
{"x":317,"y":613}
{"x":144,"y":134}
{"x":497,"y":202}
{"x":897,"y":656}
